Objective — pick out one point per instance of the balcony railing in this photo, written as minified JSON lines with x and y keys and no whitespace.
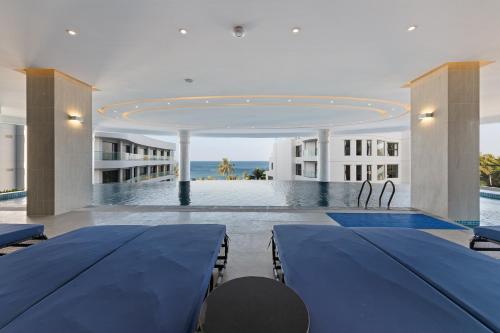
{"x":310,"y":153}
{"x":117,"y":156}
{"x":310,"y":174}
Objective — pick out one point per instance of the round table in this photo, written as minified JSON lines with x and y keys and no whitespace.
{"x":254,"y":304}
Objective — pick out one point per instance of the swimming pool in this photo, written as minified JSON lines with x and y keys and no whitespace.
{"x":243,"y":193}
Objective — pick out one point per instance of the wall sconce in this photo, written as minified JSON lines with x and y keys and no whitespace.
{"x":426,"y":115}
{"x":75,"y":118}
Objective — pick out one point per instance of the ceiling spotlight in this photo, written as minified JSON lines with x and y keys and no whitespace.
{"x":239,"y":31}
{"x":289,"y":101}
{"x":115,"y":111}
{"x":248,"y":101}
{"x":412,"y":27}
{"x":295,"y":30}
{"x":206,"y":102}
{"x":369,"y":104}
{"x":188,"y":80}
{"x":183,"y":31}
{"x":71,"y":32}
{"x":168,"y":103}
{"x":137,"y":106}
{"x":331,"y":102}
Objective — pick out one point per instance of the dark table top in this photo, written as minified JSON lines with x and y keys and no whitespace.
{"x":254,"y":304}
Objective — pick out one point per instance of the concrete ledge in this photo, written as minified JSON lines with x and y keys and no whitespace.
{"x":12,"y":195}
{"x":490,"y":195}
{"x":469,"y":224}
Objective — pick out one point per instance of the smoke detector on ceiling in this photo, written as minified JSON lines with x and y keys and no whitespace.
{"x":239,"y":31}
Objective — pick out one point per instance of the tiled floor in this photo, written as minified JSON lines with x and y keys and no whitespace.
{"x":249,"y":230}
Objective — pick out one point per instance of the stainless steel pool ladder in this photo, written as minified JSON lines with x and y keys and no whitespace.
{"x":369,"y":193}
{"x":382,"y":193}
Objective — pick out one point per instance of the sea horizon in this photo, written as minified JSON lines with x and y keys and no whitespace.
{"x":204,"y":169}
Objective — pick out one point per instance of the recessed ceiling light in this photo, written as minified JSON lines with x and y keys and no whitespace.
{"x":71,"y":32}
{"x":331,"y":102}
{"x":248,"y":101}
{"x":412,"y":27}
{"x":188,"y":80}
{"x":289,"y":101}
{"x":296,"y":30}
{"x":206,"y":102}
{"x":168,"y":103}
{"x":369,"y":104}
{"x":239,"y":31}
{"x":137,"y":106}
{"x":183,"y":31}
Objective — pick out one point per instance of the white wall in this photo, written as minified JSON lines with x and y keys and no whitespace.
{"x":338,"y":160}
{"x":7,"y":157}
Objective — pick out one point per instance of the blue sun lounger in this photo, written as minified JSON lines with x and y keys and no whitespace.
{"x":112,"y":279}
{"x":470,"y":279}
{"x":486,"y":235}
{"x":15,"y":234}
{"x":350,"y":285}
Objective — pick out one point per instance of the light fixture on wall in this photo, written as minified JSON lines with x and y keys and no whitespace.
{"x":75,"y":118}
{"x":426,"y":115}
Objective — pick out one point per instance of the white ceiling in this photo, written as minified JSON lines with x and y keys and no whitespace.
{"x":131,"y":50}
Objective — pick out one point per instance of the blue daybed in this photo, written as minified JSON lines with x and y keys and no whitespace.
{"x":486,"y":234}
{"x":14,"y":234}
{"x":387,"y":280}
{"x":112,"y":279}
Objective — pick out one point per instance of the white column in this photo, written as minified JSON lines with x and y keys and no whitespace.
{"x":184,"y":162}
{"x":323,"y":149}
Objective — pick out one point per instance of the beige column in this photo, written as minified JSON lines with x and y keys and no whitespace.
{"x":59,"y":122}
{"x":445,"y":142}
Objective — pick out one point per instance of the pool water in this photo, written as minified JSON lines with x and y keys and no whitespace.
{"x":244,"y":193}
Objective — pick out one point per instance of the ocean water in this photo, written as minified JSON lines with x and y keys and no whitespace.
{"x":203,"y":169}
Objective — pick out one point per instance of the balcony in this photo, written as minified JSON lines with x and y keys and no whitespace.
{"x":117,"y":156}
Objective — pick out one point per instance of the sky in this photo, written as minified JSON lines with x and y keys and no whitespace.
{"x":251,"y":149}
{"x":490,"y":139}
{"x":236,"y":149}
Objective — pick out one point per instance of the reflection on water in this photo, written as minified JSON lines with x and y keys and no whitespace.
{"x":244,"y":193}
{"x":184,"y":193}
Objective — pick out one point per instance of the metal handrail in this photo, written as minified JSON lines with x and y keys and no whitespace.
{"x":369,"y":193}
{"x":382,"y":193}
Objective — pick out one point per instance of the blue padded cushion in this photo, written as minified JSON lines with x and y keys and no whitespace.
{"x":153,"y":283}
{"x":469,"y":278}
{"x":348,"y":285}
{"x":492,"y":232}
{"x":15,"y":233}
{"x":30,"y":275}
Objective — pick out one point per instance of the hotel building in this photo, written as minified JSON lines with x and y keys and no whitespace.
{"x":121,"y":157}
{"x":351,"y":158}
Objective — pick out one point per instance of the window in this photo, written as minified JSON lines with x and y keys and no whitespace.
{"x":369,"y":172}
{"x":380,"y":148}
{"x":359,"y":147}
{"x":380,"y":172}
{"x":298,"y":151}
{"x":347,"y":147}
{"x":271,"y":166}
{"x":359,"y":175}
{"x":128,"y":149}
{"x":298,"y":169}
{"x":392,"y":149}
{"x":392,"y":170}
{"x":162,"y":153}
{"x":368,"y":147}
{"x":347,"y":172}
{"x":128,"y":173}
{"x":146,"y":152}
